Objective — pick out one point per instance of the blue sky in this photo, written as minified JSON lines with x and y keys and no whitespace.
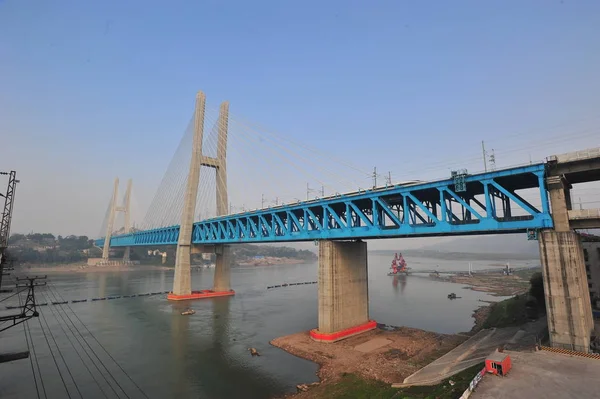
{"x":92,"y":90}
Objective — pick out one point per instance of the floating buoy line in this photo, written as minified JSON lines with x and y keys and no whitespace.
{"x":108,"y":298}
{"x":104,"y":298}
{"x":290,"y":284}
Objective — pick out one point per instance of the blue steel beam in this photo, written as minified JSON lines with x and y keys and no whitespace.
{"x":487,"y":206}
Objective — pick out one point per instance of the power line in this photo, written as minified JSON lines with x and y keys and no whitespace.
{"x":54,"y":358}
{"x":57,"y":295}
{"x":101,"y":346}
{"x":57,"y":312}
{"x":37,"y":389}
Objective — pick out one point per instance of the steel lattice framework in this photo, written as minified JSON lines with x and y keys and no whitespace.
{"x":8,"y":207}
{"x":485,"y":203}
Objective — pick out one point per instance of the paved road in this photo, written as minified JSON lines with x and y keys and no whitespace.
{"x":543,"y":375}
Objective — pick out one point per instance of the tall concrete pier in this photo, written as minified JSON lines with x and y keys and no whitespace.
{"x":182,"y":287}
{"x":127,"y":223}
{"x":343,"y":291}
{"x":182,"y":283}
{"x":568,"y":305}
{"x":222,"y":280}
{"x":111,"y":221}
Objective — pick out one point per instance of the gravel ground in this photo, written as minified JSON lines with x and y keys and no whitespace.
{"x":408,"y":350}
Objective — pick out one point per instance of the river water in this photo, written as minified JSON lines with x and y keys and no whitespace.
{"x":206,"y":355}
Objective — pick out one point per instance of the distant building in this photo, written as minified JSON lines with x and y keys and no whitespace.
{"x":591,"y":255}
{"x":206,"y":255}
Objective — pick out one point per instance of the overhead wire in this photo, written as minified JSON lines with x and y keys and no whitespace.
{"x":82,"y":338}
{"x":31,"y":350}
{"x":301,"y":157}
{"x":99,"y":344}
{"x":60,"y":354}
{"x":56,"y":312}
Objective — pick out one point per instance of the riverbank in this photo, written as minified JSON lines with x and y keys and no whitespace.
{"x":270,"y":261}
{"x":84,"y":268}
{"x":496,"y":284}
{"x":398,"y":352}
{"x":385,"y":354}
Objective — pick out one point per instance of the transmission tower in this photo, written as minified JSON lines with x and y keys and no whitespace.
{"x":9,"y":199}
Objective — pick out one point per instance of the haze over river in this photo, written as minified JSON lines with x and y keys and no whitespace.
{"x":206,"y":355}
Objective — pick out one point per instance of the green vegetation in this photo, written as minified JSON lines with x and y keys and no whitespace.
{"x":520,"y":308}
{"x":537,"y":288}
{"x":356,"y":387}
{"x":46,"y":248}
{"x":245,"y":251}
{"x":510,"y":312}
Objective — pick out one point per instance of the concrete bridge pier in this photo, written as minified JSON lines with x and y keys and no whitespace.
{"x":182,"y":283}
{"x":222,"y":279}
{"x":343,"y":291}
{"x":568,"y":305}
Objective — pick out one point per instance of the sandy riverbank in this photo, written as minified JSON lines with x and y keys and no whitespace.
{"x":403,"y":350}
{"x":387,"y":355}
{"x":493,"y":284}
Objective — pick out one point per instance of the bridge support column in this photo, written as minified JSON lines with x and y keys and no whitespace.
{"x":127,"y":224}
{"x":222,"y":279}
{"x":111,"y":222}
{"x":182,"y":283}
{"x":568,"y":306}
{"x":343,"y":291}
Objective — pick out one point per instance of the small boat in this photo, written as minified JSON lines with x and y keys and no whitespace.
{"x":399,"y":266}
{"x":453,"y":296}
{"x":188,"y":312}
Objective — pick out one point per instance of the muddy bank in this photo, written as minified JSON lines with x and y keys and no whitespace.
{"x":480,"y":315}
{"x":388,"y":355}
{"x":493,"y":284}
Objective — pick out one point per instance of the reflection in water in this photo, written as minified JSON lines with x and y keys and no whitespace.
{"x":179,"y":347}
{"x":402,"y":279}
{"x":102,"y":285}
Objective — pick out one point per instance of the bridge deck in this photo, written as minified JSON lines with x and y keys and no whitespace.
{"x":487,"y":203}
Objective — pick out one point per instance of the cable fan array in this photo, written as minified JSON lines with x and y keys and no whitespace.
{"x":267,"y":169}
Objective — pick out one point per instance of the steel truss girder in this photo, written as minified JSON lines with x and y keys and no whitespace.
{"x":429,"y":209}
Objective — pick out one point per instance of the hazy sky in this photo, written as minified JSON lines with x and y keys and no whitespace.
{"x":94,"y":90}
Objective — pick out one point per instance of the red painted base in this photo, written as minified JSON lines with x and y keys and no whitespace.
{"x":339,"y":335}
{"x":199,"y":295}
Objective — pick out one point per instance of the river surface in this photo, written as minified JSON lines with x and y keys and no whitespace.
{"x":206,"y":355}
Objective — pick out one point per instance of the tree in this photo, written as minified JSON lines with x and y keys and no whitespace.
{"x":537,"y":288}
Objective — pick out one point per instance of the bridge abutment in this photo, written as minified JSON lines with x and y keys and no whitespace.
{"x":343,"y":291}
